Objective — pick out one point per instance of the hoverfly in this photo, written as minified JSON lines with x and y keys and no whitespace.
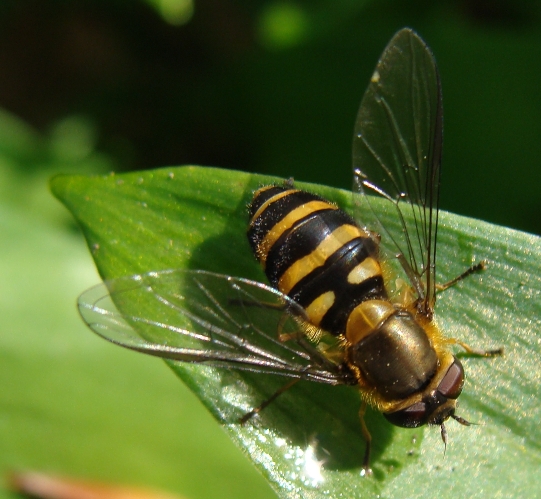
{"x":329,"y":315}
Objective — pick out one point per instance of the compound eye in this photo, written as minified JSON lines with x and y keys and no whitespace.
{"x":453,"y":381}
{"x":413,"y":416}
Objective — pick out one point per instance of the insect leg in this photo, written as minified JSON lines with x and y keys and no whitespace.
{"x":367,"y":438}
{"x":442,"y":287}
{"x":285,"y":336}
{"x":254,"y":303}
{"x":472,"y":270}
{"x":272,"y":398}
{"x":271,"y":306}
{"x":412,"y":276}
{"x":306,"y":329}
{"x":473,"y":351}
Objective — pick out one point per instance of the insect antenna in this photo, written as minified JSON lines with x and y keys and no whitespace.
{"x":444,"y":438}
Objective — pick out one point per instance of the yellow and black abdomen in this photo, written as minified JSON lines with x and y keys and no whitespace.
{"x":314,"y":253}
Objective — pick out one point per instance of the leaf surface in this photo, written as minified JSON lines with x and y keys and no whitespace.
{"x":308,"y":443}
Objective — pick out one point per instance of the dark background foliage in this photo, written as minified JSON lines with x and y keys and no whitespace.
{"x":273,"y":87}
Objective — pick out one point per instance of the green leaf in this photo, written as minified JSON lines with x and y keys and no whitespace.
{"x":194,"y":217}
{"x":74,"y":405}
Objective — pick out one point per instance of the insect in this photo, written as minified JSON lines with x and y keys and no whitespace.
{"x":329,"y":315}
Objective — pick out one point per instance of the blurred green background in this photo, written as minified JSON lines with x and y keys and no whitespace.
{"x":261,"y":86}
{"x":274,"y":87}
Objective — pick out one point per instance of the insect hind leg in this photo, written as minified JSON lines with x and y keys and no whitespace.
{"x":255,"y":303}
{"x":305,"y":329}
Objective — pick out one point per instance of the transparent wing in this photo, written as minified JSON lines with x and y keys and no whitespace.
{"x":397,"y":146}
{"x":202,"y":317}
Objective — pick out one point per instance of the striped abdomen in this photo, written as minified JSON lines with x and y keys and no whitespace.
{"x":314,"y":253}
{"x":318,"y":256}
